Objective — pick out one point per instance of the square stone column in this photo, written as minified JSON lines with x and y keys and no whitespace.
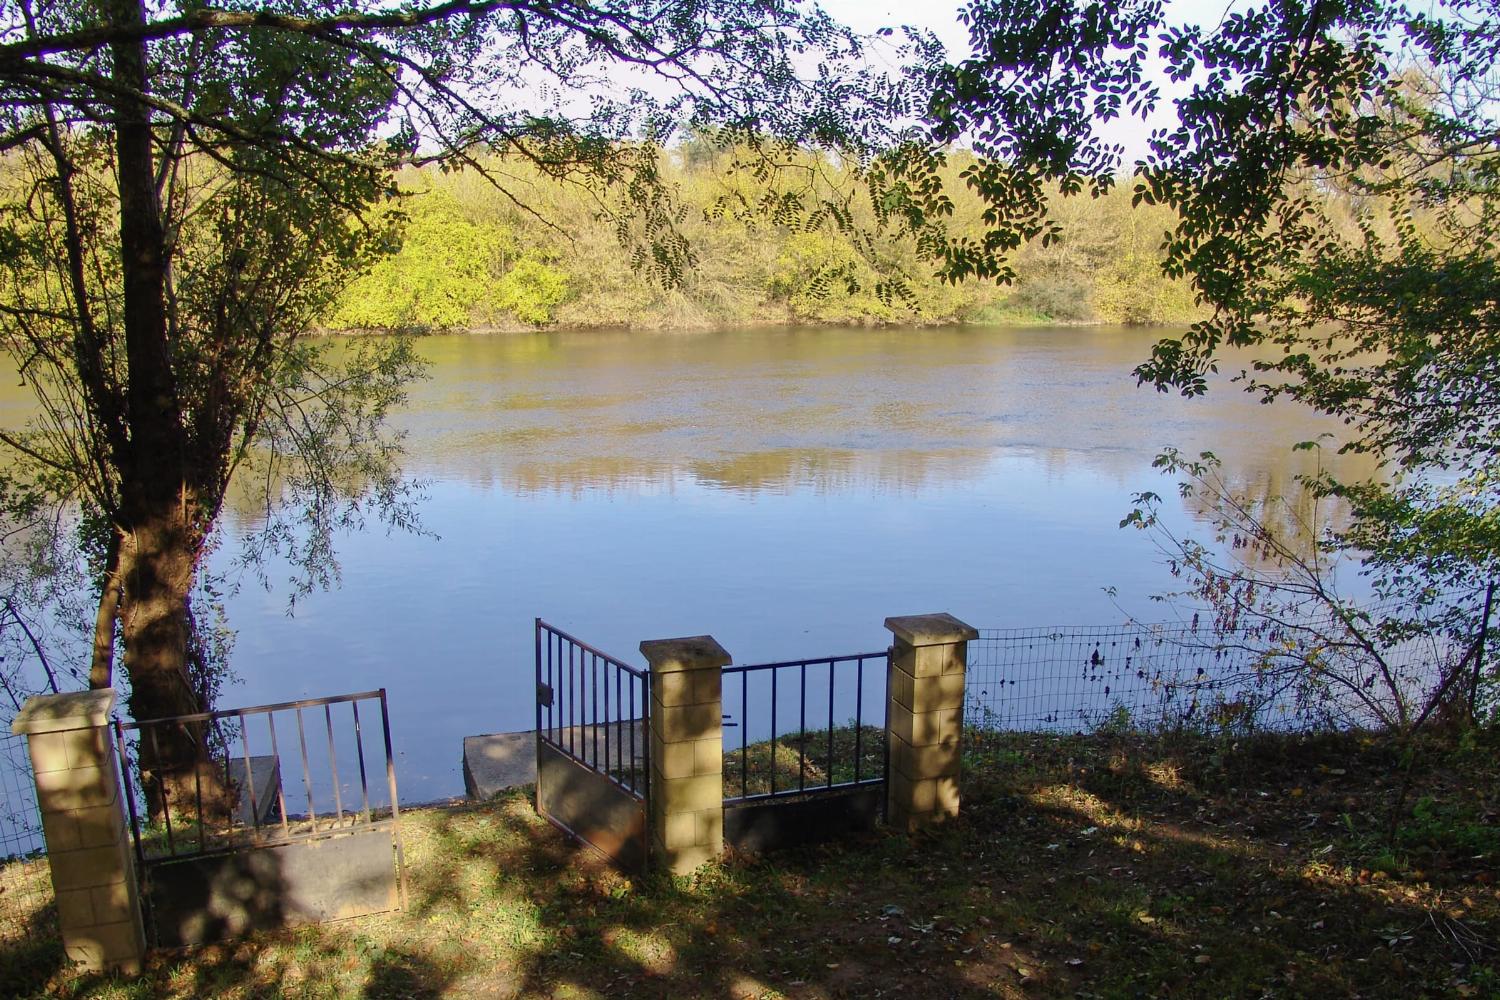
{"x":926,"y":696}
{"x":83,"y":821}
{"x":686,"y":821}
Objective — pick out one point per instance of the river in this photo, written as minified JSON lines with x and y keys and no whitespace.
{"x":781,"y":489}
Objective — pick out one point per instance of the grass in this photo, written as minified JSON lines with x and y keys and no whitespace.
{"x":804,"y":760}
{"x":1091,"y":867}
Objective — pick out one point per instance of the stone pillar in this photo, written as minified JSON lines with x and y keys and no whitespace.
{"x":83,"y":820}
{"x":926,"y":718}
{"x":687,"y":751}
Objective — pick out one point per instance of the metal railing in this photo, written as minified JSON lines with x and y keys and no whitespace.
{"x":594,"y":708}
{"x":760,"y":697}
{"x":241,"y":794}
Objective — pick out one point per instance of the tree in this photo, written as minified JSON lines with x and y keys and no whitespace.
{"x":1333,"y":166}
{"x":191,"y":185}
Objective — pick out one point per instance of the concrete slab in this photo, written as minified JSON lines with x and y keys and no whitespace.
{"x":495,"y":762}
{"x":265,"y":772}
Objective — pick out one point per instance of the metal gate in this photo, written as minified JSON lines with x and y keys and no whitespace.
{"x":593,"y":753}
{"x":786,"y":783}
{"x":264,"y":827}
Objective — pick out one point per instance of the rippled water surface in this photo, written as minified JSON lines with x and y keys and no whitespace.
{"x":783,"y":490}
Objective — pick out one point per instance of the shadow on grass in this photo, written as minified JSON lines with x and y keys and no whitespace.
{"x":1084,"y":868}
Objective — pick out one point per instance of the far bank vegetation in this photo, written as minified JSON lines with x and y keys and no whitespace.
{"x":473,"y":256}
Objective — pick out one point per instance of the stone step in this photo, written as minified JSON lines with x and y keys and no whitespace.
{"x":495,"y":762}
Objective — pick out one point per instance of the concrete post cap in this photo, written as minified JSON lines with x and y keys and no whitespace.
{"x":694,"y":652}
{"x":930,"y":630}
{"x":55,"y":713}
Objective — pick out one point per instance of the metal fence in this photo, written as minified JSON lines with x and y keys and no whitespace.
{"x":805,"y":726}
{"x":26,"y":911}
{"x":257,"y":782}
{"x":591,"y":707}
{"x":1127,"y":676}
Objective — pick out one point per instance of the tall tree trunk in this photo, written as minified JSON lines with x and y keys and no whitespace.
{"x":157,"y":567}
{"x":157,"y":503}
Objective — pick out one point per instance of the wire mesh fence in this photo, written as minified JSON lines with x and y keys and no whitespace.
{"x":1286,"y":666}
{"x":26,"y":911}
{"x":1129,"y":676}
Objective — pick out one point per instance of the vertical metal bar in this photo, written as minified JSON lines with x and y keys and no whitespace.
{"x":634,"y":714}
{"x":885,"y":770}
{"x":359,"y":749}
{"x":390,"y":777}
{"x":744,"y":733}
{"x":572,"y":703}
{"x":859,"y":716}
{"x":646,"y":750}
{"x":198,"y":802}
{"x":166,"y":807}
{"x":620,"y":719}
{"x":135,"y":819}
{"x":772,"y":768}
{"x":830,"y":723}
{"x":312,"y":812}
{"x":228,"y":782}
{"x":249,"y":774}
{"x":333,"y":769}
{"x":594,"y":708}
{"x":802,"y":732}
{"x":276,"y":757}
{"x":608,"y":669}
{"x":537,"y":662}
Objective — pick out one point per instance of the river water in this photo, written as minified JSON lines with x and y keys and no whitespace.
{"x":783,"y":490}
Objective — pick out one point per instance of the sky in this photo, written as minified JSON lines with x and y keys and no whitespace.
{"x":941,"y":17}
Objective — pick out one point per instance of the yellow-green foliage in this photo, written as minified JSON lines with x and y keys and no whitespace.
{"x":530,"y":290}
{"x":443,"y":272}
{"x":820,"y":277}
{"x":542,"y":252}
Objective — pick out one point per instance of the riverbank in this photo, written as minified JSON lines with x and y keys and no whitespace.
{"x":1083,"y":866}
{"x":472,"y":256}
{"x":995,"y":319}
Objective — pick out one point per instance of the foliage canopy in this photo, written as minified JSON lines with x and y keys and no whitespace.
{"x":1333,"y":165}
{"x":190,"y":187}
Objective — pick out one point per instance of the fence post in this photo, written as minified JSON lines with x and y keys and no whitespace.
{"x":925,"y":720}
{"x":83,"y":821}
{"x":687,"y":751}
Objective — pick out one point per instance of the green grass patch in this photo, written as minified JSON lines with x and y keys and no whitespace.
{"x":805,"y":760}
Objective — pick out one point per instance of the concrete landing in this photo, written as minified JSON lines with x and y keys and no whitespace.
{"x":265,"y":773}
{"x":497,"y":761}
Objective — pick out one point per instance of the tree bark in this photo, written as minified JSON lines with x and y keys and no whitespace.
{"x":157,"y":569}
{"x":158,"y":507}
{"x":101,"y":669}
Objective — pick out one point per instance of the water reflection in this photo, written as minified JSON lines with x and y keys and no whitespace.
{"x":756,"y":410}
{"x":784,"y":490}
